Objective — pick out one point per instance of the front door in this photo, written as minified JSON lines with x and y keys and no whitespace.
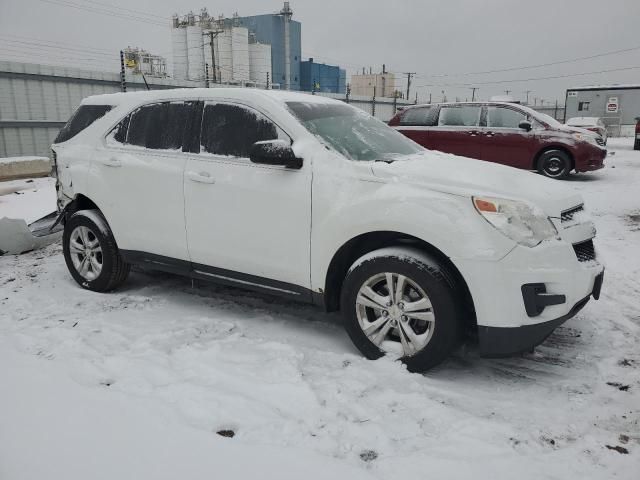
{"x":136,"y":179}
{"x":457,"y":131}
{"x":503,"y":141}
{"x":246,"y":223}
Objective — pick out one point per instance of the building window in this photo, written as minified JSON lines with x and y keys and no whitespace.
{"x":583,"y":106}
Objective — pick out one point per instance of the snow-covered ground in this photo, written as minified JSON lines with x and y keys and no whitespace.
{"x":135,"y":384}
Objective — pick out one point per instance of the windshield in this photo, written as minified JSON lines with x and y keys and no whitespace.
{"x":353,"y":133}
{"x":543,"y":117}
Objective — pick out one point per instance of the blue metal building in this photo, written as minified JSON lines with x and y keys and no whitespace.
{"x":320,"y":77}
{"x":270,"y":28}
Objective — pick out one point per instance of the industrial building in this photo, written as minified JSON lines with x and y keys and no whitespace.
{"x":318,"y":77}
{"x":261,"y":50}
{"x":213,"y":49}
{"x":285,"y":37}
{"x":378,"y":84}
{"x":617,"y":105}
{"x":141,"y":62}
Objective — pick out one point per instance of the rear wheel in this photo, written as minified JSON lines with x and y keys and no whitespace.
{"x":636,"y":145}
{"x":91,"y":253}
{"x":402,"y":303}
{"x":554,"y":164}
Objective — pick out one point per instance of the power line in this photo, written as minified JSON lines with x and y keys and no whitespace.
{"x":527,"y":67}
{"x":102,"y":11}
{"x":526,"y":79}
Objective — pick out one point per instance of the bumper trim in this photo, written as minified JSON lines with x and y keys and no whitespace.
{"x":497,"y":342}
{"x":536,"y":298}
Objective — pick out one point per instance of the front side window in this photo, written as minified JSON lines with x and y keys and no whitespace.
{"x":351,"y":132}
{"x":160,"y":126}
{"x":81,"y":119}
{"x":459,"y":116}
{"x":231,"y":130}
{"x":503,"y":117}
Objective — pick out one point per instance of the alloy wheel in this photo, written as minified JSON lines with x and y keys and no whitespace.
{"x":86,"y":253}
{"x":395,"y":314}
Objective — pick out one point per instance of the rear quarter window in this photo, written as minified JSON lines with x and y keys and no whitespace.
{"x":81,"y":119}
{"x":415,"y":116}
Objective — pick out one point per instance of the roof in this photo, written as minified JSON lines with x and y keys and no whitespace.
{"x":613,"y":86}
{"x":281,"y":96}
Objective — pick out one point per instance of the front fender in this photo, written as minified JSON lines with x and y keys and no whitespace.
{"x":345,"y":209}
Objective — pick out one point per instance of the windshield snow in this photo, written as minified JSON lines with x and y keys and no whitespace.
{"x":353,"y":133}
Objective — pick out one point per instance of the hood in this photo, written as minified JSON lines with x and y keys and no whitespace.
{"x":468,"y":177}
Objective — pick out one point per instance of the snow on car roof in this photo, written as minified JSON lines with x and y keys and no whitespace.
{"x":612,"y":86}
{"x":583,"y":121}
{"x":136,"y":98}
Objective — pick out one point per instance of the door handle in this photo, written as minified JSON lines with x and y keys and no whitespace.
{"x":201,"y":177}
{"x":111,"y":162}
{"x":474,"y":133}
{"x":489,"y":134}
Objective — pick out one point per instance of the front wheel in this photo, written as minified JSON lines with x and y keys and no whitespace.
{"x":401,"y":302}
{"x":91,"y":253}
{"x":554,"y":164}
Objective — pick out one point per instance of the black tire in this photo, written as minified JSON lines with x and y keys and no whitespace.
{"x":432,"y":278}
{"x":636,"y":145}
{"x":114,"y":269}
{"x":554,"y":164}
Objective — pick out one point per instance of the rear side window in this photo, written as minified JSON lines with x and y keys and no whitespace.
{"x":503,"y":117}
{"x":231,"y":130}
{"x":459,"y":116}
{"x":160,"y":126}
{"x":415,"y":116}
{"x":81,"y":119}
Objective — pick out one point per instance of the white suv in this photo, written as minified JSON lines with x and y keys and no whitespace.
{"x":310,"y":198}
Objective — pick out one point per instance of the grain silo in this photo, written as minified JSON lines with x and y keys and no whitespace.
{"x":195,"y":49}
{"x":260,"y":63}
{"x":240,"y":53}
{"x":179,"y":49}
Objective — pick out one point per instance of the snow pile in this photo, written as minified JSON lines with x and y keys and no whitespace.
{"x":136,"y":384}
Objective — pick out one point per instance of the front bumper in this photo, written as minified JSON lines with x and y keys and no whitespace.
{"x":590,"y":159}
{"x":502,"y":342}
{"x":506,"y":324}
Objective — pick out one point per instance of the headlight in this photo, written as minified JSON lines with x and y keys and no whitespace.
{"x":585,"y":138}
{"x":521,"y":222}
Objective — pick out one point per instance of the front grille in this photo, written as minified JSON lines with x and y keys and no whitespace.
{"x":585,"y":251}
{"x":567,"y":215}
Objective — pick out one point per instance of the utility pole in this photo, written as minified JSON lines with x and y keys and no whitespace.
{"x":527,"y":93}
{"x":409,"y":75}
{"x":473,"y":93}
{"x":373,"y":104}
{"x":268,"y":82}
{"x":123,"y":78}
{"x":348,"y":92}
{"x":206,"y":75}
{"x":507,"y":92}
{"x":212,"y":34}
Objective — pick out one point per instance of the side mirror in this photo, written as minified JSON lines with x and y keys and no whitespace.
{"x":274,"y":152}
{"x":525,"y":125}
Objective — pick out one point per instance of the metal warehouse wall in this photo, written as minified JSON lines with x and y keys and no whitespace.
{"x":37,"y":100}
{"x":621,"y":123}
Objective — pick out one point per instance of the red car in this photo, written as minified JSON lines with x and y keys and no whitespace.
{"x":504,"y":133}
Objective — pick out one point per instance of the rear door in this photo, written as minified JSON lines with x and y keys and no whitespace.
{"x":136,"y":179}
{"x":457,"y":130}
{"x":503,"y":141}
{"x":247,"y":223}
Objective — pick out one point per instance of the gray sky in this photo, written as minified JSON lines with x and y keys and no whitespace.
{"x":433,"y":38}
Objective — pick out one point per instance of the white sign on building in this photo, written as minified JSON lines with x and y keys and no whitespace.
{"x":612,"y":105}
